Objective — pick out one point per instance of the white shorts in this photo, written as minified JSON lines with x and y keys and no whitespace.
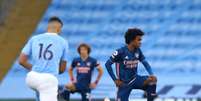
{"x":46,"y":84}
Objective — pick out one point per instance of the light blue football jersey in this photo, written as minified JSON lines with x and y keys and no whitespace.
{"x":46,"y":50}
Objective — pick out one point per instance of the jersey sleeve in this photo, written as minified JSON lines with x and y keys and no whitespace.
{"x":145,"y":63}
{"x":141,"y":55}
{"x":27,"y":48}
{"x":65,"y":51}
{"x":115,"y":57}
{"x":96,"y":63}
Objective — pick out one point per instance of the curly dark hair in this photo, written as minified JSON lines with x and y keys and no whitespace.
{"x":84,"y":45}
{"x":131,"y":33}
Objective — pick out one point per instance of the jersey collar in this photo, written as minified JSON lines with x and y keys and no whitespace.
{"x":84,"y":60}
{"x":126,"y":47}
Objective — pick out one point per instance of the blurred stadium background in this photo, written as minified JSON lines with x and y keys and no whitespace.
{"x":172,"y":42}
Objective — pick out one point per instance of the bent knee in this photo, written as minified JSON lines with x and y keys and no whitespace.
{"x":150,"y":80}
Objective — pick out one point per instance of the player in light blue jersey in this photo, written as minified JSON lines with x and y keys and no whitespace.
{"x":48,"y":52}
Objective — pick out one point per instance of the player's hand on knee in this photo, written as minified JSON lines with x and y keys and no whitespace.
{"x":93,"y":85}
{"x":152,"y":78}
{"x":71,"y":87}
{"x":73,"y":81}
{"x":118,"y":83}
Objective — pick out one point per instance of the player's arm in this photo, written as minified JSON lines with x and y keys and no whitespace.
{"x":100,"y":73}
{"x":63,"y":61}
{"x":151,"y":78}
{"x":145,"y":63}
{"x":148,"y":68}
{"x":109,"y":63}
{"x":70,"y":72}
{"x":114,"y":58}
{"x":62,"y":66}
{"x":108,"y":66}
{"x":24,"y":56}
{"x":23,"y":60}
{"x":71,"y":85}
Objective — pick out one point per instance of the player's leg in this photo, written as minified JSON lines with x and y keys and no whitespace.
{"x":37,"y":96}
{"x":86,"y":96}
{"x":151,"y":92}
{"x":45,"y":84}
{"x":123,"y":93}
{"x":48,"y":95}
{"x":33,"y":82}
{"x":145,"y":83}
{"x":64,"y":93}
{"x":48,"y":89}
{"x":66,"y":90}
{"x":150,"y":88}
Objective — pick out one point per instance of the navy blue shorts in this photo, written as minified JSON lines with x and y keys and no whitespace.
{"x":125,"y":90}
{"x":84,"y":91}
{"x":81,"y":88}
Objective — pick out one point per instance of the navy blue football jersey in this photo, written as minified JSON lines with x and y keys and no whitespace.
{"x":84,"y":70}
{"x":127,"y":62}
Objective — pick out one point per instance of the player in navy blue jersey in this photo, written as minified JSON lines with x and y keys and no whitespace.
{"x":126,"y":60}
{"x":84,"y":66}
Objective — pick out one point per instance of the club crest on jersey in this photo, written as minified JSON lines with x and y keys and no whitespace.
{"x":137,"y":55}
{"x":78,"y":64}
{"x":126,"y":57}
{"x":88,"y":63}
